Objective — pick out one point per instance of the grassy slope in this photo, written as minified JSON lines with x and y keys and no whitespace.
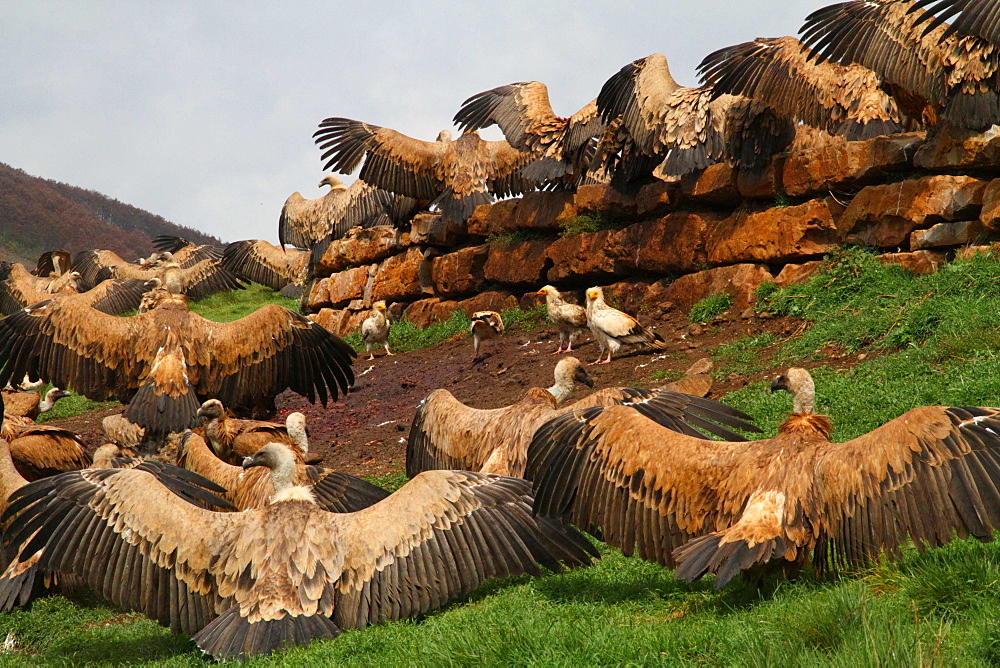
{"x":937,"y":336}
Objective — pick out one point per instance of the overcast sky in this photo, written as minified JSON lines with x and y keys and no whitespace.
{"x":203,"y":112}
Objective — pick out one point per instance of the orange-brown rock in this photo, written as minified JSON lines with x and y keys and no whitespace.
{"x":602,"y":199}
{"x":791,"y":274}
{"x":488,"y":301}
{"x":849,"y":164}
{"x":778,"y":234}
{"x":425,"y":312}
{"x":339,"y":289}
{"x":460,"y":273}
{"x":919,"y":262}
{"x":339,"y":321}
{"x":950,"y":150}
{"x":656,"y":199}
{"x":399,"y":277}
{"x":763,"y":183}
{"x":530,"y":300}
{"x":629,"y":296}
{"x":534,"y":210}
{"x":430,"y":229}
{"x":739,"y":280}
{"x":947,"y":234}
{"x":673,"y":244}
{"x":587,"y":256}
{"x":969,"y":252}
{"x":716,"y":184}
{"x":989,"y":215}
{"x":521,"y":264}
{"x":885,"y":215}
{"x":360,"y":247}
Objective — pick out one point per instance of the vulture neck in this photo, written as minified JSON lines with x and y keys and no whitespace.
{"x":562,"y":388}
{"x":298,"y":436}
{"x":804,"y":419}
{"x":48,"y":402}
{"x":10,"y":479}
{"x":804,"y":398}
{"x":283,"y":481}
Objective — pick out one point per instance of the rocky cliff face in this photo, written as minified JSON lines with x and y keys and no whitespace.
{"x":919,"y":200}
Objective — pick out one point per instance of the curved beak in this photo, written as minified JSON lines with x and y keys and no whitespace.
{"x":779,"y":383}
{"x":581,"y":376}
{"x":251,"y":461}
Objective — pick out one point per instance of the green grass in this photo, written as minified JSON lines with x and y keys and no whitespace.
{"x":586,"y":223}
{"x":235,"y":304}
{"x":667,"y":375}
{"x":710,"y":306}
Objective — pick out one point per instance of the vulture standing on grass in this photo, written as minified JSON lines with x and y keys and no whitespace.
{"x":951,"y":80}
{"x":248,"y":583}
{"x":264,"y":263}
{"x":375,"y":329}
{"x":563,"y":146}
{"x":251,"y":488}
{"x":305,"y":222}
{"x":164,"y":362}
{"x":19,"y":289}
{"x":928,"y":476}
{"x":456,"y":175}
{"x":612,"y":328}
{"x":485,"y":326}
{"x":233,"y":439}
{"x":569,"y":319}
{"x":447,"y":434}
{"x":782,"y":74}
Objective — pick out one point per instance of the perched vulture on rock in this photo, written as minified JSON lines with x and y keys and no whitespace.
{"x":971,"y":17}
{"x":569,"y":319}
{"x":563,"y":146}
{"x":201,"y":279}
{"x":781,"y":74}
{"x":719,"y":507}
{"x":612,"y":328}
{"x":19,"y":289}
{"x":306,"y":222}
{"x":447,"y":434}
{"x":375,"y":329}
{"x":164,"y":362}
{"x":261,"y":262}
{"x":233,"y":439}
{"x":485,"y":325}
{"x":951,"y":80}
{"x":456,"y":175}
{"x":249,"y":583}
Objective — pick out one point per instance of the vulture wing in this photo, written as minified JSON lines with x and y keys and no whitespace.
{"x":304,"y":222}
{"x":114,"y":296}
{"x":43,"y":450}
{"x":89,"y":262}
{"x":53,"y":262}
{"x":260,"y":262}
{"x":207,"y":277}
{"x":968,"y":17}
{"x":18,"y":288}
{"x":781,"y":74}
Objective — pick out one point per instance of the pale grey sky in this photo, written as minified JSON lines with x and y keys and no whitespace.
{"x":203,"y":112}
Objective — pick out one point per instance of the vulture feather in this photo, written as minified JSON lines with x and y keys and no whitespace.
{"x":198,"y":280}
{"x":264,"y":263}
{"x":30,"y":404}
{"x":951,"y":79}
{"x":569,"y":319}
{"x":186,"y":253}
{"x":447,"y":434}
{"x":562,"y":146}
{"x":781,"y":74}
{"x":305,"y":222}
{"x":612,"y":328}
{"x":19,"y":289}
{"x":248,"y":583}
{"x":971,"y":17}
{"x":160,"y":362}
{"x":375,"y":329}
{"x":719,"y":507}
{"x":41,"y":450}
{"x":457,"y":176}
{"x":233,"y":439}
{"x":53,"y":263}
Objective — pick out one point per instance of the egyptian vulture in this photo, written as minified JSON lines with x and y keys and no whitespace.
{"x":199,"y":280}
{"x":163,"y":363}
{"x":612,"y":328}
{"x":563,"y":146}
{"x":264,"y":263}
{"x":569,"y":319}
{"x":656,"y":126}
{"x":305,"y":222}
{"x":232,"y":439}
{"x":447,"y":434}
{"x":248,"y":583}
{"x":485,"y":325}
{"x":972,"y":17}
{"x":928,"y":476}
{"x":781,"y":74}
{"x":19,"y":289}
{"x":30,"y":404}
{"x":251,"y":488}
{"x":375,"y":329}
{"x":456,"y":175}
{"x":948,"y":80}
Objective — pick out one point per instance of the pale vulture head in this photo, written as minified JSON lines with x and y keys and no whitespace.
{"x":799,"y":384}
{"x":570,"y":370}
{"x":333,"y":182}
{"x":211,"y":410}
{"x":444,"y":135}
{"x":280,"y":459}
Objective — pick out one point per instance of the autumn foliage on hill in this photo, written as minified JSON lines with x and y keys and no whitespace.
{"x":37,"y":215}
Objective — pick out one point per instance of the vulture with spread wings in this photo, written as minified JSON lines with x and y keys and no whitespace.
{"x":198,"y":280}
{"x":305,"y":222}
{"x":19,"y":289}
{"x":261,"y":262}
{"x":163,"y":363}
{"x":186,"y":253}
{"x":781,"y":74}
{"x":720,"y":507}
{"x":456,"y":175}
{"x":936,"y":77}
{"x":563,"y":146}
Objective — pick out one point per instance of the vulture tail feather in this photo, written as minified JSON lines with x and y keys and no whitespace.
{"x":160,"y":414}
{"x":708,"y":554}
{"x":230,"y":635}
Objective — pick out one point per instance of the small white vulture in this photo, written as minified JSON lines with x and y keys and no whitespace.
{"x":612,"y":328}
{"x":375,"y":329}
{"x":569,"y":319}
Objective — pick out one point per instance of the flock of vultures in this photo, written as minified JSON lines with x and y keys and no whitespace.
{"x":149,"y":520}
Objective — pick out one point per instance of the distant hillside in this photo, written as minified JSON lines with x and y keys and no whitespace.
{"x":38,"y":214}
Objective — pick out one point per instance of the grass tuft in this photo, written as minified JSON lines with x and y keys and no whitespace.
{"x":710,"y":306}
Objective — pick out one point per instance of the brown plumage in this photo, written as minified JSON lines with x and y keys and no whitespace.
{"x":563,"y":146}
{"x":613,"y":328}
{"x":569,"y":319}
{"x":697,"y":379}
{"x":41,"y":450}
{"x":447,"y":434}
{"x":186,"y":253}
{"x":53,"y":263}
{"x":252,"y":488}
{"x":19,"y":289}
{"x":161,"y":361}
{"x":968,"y":17}
{"x":249,"y":583}
{"x":122,"y":432}
{"x":782,"y":74}
{"x":485,"y":326}
{"x":938,"y":78}
{"x":233,"y":439}
{"x":457,"y":176}
{"x":305,"y":222}
{"x":264,"y":263}
{"x":203,"y":278}
{"x":719,"y":507}
{"x":30,"y":404}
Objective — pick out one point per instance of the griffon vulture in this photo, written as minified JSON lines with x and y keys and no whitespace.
{"x":563,"y":146}
{"x":569,"y":319}
{"x":306,"y":222}
{"x":185,"y":253}
{"x":19,"y":289}
{"x":485,"y":325}
{"x":53,"y":263}
{"x":612,"y":328}
{"x":375,"y":329}
{"x":201,"y":279}
{"x":928,"y":476}
{"x":264,"y":263}
{"x":163,"y":362}
{"x":781,"y":74}
{"x":233,"y":439}
{"x":446,"y":433}
{"x":248,"y":583}
{"x":456,"y":175}
{"x":951,"y":80}
{"x":30,"y":404}
{"x":41,"y":450}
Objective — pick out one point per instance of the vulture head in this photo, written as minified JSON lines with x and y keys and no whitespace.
{"x":568,"y":371}
{"x":279,"y":458}
{"x":594,"y":295}
{"x":295,"y":425}
{"x":333,"y":182}
{"x":51,"y":397}
{"x":211,"y":410}
{"x":379,"y":306}
{"x":799,"y":383}
{"x":549,"y":292}
{"x":444,"y":135}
